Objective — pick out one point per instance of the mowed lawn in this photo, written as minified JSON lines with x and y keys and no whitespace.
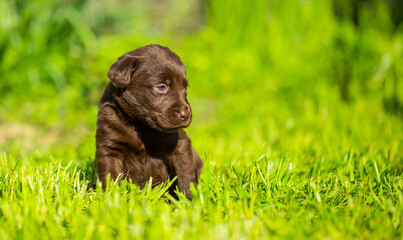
{"x":297,"y":117}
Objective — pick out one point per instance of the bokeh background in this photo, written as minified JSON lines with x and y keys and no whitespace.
{"x":303,"y":79}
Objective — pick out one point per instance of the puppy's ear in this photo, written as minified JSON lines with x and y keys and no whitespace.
{"x":120,"y":72}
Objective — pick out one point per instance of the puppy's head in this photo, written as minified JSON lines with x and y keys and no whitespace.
{"x":151,"y":85}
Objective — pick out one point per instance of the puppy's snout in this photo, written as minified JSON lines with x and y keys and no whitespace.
{"x":184,"y":114}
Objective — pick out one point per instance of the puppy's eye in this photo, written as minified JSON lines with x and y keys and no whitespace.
{"x":162,"y":88}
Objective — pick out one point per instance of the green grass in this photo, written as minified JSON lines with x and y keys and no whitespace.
{"x":261,"y":197}
{"x":297,"y":117}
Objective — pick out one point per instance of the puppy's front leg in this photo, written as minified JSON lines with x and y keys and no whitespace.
{"x":184,"y":184}
{"x":108,"y":165}
{"x":185,"y":171}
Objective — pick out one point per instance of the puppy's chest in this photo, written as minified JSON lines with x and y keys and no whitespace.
{"x":154,"y":161}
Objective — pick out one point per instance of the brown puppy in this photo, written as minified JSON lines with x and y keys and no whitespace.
{"x":140,"y":120}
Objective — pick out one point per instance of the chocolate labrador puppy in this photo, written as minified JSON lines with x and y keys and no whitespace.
{"x":141,"y":119}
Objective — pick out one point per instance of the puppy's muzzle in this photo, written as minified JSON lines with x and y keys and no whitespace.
{"x":185,"y":113}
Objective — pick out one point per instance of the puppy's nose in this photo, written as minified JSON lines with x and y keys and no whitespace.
{"x":184,"y":114}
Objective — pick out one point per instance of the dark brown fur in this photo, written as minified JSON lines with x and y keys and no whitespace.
{"x":139,"y":129}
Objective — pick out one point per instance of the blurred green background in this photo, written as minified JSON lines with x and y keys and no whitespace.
{"x":286,"y":77}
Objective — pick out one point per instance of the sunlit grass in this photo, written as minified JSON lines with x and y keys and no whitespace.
{"x":270,"y":197}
